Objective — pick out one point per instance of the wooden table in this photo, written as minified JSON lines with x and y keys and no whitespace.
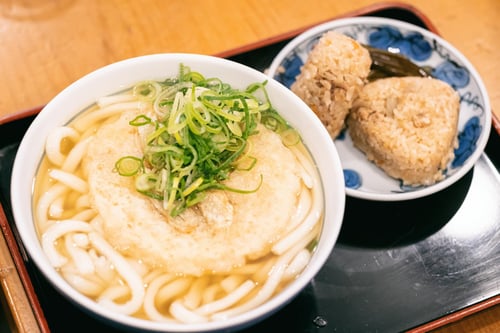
{"x":46,"y":45}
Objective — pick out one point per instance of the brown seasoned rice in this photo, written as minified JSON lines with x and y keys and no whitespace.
{"x":331,"y":78}
{"x":407,"y":126}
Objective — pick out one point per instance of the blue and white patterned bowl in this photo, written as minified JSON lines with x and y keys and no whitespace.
{"x":362,"y":178}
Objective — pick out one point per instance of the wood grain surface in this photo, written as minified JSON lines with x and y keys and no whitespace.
{"x":46,"y":45}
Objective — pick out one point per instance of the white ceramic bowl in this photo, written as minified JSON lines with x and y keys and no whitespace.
{"x":124,"y":74}
{"x":363,"y":179}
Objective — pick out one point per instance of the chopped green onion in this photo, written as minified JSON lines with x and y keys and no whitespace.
{"x":140,"y":120}
{"x":290,"y":137}
{"x":147,"y":90}
{"x":197,"y":135}
{"x":128,"y":166}
{"x":246,"y":163}
{"x":145,"y":182}
{"x":192,"y":187}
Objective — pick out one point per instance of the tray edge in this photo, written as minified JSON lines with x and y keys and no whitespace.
{"x":366,"y":10}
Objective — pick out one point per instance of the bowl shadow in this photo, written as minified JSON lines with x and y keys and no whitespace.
{"x":376,"y":224}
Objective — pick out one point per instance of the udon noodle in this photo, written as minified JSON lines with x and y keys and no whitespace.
{"x":121,"y":273}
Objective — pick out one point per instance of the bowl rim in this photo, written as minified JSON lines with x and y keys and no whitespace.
{"x":22,"y":204}
{"x":373,"y":20}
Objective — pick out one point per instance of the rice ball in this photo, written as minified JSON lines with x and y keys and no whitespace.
{"x":331,"y":78}
{"x":407,"y":126}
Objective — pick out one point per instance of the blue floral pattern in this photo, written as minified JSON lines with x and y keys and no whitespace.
{"x":352,"y":179}
{"x":426,"y":51}
{"x":467,"y":142}
{"x":413,"y":45}
{"x":455,"y":75}
{"x":291,"y":67}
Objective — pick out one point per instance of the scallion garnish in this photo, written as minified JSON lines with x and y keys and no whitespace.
{"x":140,"y":120}
{"x":128,"y":166}
{"x":196,"y":137}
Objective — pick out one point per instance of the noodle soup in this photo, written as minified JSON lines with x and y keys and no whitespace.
{"x":136,"y":249}
{"x":154,"y":227}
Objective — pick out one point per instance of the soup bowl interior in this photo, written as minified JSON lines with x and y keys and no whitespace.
{"x":121,"y":75}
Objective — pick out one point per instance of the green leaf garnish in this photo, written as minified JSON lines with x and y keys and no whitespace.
{"x":198,"y":137}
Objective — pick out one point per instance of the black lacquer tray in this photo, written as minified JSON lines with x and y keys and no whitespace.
{"x":397,"y":266}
